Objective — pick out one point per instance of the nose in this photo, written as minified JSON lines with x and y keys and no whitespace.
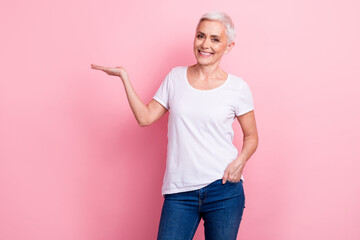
{"x":205,"y":44}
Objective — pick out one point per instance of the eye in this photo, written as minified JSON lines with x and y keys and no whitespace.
{"x":199,"y":35}
{"x":216,"y":40}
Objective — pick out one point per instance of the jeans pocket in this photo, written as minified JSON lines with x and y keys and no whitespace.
{"x":234,"y":182}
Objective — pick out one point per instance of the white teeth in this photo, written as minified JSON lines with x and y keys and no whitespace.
{"x":205,"y":53}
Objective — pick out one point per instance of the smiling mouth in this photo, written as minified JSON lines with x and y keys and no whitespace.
{"x":205,"y":54}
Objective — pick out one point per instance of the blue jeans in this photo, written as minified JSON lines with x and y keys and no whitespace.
{"x":220,"y":205}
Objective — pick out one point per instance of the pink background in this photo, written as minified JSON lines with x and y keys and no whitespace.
{"x":75,"y":165}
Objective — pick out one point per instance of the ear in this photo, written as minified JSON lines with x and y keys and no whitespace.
{"x":229,"y":47}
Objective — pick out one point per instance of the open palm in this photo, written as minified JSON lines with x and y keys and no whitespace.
{"x":113,"y":71}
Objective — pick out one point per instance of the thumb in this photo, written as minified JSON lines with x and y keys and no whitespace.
{"x":225,"y":177}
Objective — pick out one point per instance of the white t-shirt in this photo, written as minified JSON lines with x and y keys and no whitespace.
{"x":200,"y":132}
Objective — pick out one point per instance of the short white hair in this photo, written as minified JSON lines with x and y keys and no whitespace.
{"x":224,"y":19}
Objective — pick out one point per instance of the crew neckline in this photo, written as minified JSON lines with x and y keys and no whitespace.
{"x":204,"y":90}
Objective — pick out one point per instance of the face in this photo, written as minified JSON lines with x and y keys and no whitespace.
{"x":210,"y":42}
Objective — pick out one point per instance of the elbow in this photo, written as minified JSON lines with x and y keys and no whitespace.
{"x":143,"y":123}
{"x":256,"y":141}
{"x":256,"y":145}
{"x":253,"y":139}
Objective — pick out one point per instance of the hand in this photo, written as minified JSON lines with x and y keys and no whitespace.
{"x":116,"y":71}
{"x":233,"y":171}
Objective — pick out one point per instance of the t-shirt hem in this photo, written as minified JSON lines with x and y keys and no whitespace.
{"x":184,"y":189}
{"x":160,"y":101}
{"x":178,"y":190}
{"x":244,"y":111}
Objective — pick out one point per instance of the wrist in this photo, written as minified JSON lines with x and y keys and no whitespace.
{"x":124,"y":79}
{"x":240,"y":159}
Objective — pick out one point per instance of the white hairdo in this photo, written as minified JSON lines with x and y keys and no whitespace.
{"x":224,"y":19}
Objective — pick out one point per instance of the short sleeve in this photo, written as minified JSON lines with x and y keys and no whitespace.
{"x":245,"y":101}
{"x":162,"y":94}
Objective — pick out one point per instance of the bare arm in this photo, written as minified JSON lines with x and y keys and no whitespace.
{"x":144,"y":114}
{"x":234,"y":170}
{"x":250,"y":139}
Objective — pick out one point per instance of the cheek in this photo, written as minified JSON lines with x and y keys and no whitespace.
{"x":220,"y":48}
{"x":196,"y":42}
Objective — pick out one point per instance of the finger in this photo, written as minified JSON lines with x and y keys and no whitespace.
{"x":225,"y":177}
{"x":99,"y":67}
{"x":94,"y":66}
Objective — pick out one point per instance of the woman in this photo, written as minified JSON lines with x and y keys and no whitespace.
{"x":203,"y":176}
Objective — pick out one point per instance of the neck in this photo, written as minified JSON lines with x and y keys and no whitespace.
{"x":208,"y":71}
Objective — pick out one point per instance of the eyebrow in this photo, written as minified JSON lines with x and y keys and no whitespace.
{"x":211,"y":35}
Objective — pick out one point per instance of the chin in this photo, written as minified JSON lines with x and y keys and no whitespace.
{"x":204,"y":60}
{"x":204,"y":63}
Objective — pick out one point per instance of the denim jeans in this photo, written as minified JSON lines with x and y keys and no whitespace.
{"x":220,"y":205}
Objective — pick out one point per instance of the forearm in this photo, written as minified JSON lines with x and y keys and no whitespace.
{"x":139,"y":109}
{"x":235,"y":168}
{"x":250,"y":144}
